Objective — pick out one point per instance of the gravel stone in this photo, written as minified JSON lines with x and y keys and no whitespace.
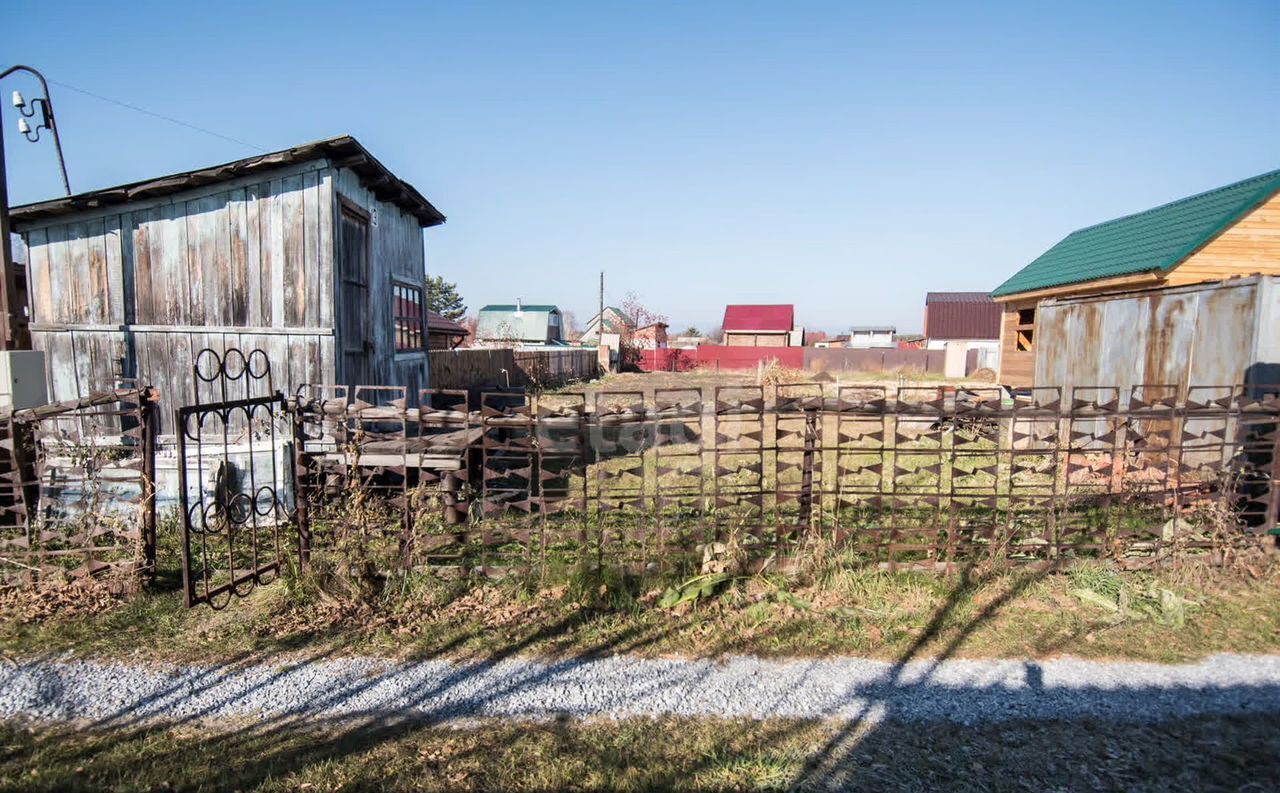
{"x":963,"y":691}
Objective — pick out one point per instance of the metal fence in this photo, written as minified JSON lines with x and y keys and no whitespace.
{"x":914,"y":477}
{"x":232,"y":478}
{"x":918,"y":477}
{"x":77,"y":489}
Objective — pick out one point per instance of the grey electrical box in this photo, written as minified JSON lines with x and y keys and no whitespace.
{"x":22,"y":379}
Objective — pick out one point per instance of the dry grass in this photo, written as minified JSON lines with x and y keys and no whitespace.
{"x":1209,"y":753}
{"x":831,"y":609}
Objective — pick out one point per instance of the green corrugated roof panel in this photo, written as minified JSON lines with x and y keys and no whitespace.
{"x":1150,"y":241}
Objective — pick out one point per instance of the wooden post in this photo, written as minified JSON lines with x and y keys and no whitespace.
{"x":449,"y":489}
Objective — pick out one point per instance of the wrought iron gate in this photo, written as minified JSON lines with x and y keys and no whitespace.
{"x":231,"y":486}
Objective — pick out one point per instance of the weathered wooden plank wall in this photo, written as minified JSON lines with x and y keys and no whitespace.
{"x":246,"y":263}
{"x":396,"y":254}
{"x":554,"y":367}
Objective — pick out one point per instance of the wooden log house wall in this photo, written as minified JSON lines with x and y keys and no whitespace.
{"x":135,"y":281}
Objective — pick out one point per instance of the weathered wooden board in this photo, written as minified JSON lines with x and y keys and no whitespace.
{"x":138,"y":290}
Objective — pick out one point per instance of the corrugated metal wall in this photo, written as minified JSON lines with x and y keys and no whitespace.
{"x":962,"y":319}
{"x":1199,"y":335}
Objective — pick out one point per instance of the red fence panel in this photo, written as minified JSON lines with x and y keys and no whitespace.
{"x":709,"y":356}
{"x":879,"y":359}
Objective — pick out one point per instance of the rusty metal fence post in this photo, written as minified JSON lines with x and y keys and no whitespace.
{"x":302,"y":484}
{"x":149,"y":413}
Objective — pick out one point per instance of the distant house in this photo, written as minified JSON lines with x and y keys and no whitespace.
{"x":960,"y":322}
{"x":960,"y":316}
{"x":650,"y":337}
{"x":615,"y":321}
{"x":1220,"y":234}
{"x":761,"y":326}
{"x":687,"y":342}
{"x":867,"y":336}
{"x":909,"y":341}
{"x":835,"y":342}
{"x":442,"y":333}
{"x":514,"y":325}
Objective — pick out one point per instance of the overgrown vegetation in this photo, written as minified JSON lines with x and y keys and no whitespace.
{"x":693,"y":579}
{"x":829,"y":605}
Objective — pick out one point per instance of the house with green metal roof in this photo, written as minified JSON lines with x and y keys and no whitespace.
{"x":1226,"y":232}
{"x":508,"y":325}
{"x":615,"y":321}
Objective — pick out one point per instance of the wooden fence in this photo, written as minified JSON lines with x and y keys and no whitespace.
{"x":477,"y":369}
{"x":834,"y":359}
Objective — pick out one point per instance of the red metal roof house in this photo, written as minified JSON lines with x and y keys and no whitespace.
{"x":443,"y":333}
{"x":759,"y":326}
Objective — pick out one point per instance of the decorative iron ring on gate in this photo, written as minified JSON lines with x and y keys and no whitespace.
{"x":232,"y":368}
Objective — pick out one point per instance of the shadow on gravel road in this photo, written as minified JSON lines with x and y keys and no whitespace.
{"x":906,"y":736}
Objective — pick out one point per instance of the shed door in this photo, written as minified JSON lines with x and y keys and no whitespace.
{"x":353,"y":322}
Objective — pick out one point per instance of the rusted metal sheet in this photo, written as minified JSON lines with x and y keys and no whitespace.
{"x":1209,"y":333}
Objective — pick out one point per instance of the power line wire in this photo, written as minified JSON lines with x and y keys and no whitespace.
{"x":160,"y":116}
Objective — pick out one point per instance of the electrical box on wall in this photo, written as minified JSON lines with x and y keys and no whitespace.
{"x":22,"y":379}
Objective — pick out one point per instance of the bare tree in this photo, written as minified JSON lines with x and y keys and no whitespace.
{"x":639,"y":314}
{"x":570,"y":328}
{"x":629,"y":352}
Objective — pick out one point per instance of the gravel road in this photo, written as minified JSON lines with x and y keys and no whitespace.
{"x":965,"y":691}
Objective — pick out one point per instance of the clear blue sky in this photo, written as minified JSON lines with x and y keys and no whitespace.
{"x":844,"y":157}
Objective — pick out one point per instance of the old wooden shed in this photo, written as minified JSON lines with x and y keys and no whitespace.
{"x":313,"y":254}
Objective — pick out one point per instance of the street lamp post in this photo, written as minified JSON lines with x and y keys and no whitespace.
{"x":13,"y":335}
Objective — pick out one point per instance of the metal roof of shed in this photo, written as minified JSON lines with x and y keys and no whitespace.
{"x":345,"y":152}
{"x":439,"y":323}
{"x":961,"y":315}
{"x":1156,"y":240}
{"x":957,"y":297}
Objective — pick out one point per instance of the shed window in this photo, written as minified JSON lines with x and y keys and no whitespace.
{"x":406,"y":312}
{"x":1024,"y":332}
